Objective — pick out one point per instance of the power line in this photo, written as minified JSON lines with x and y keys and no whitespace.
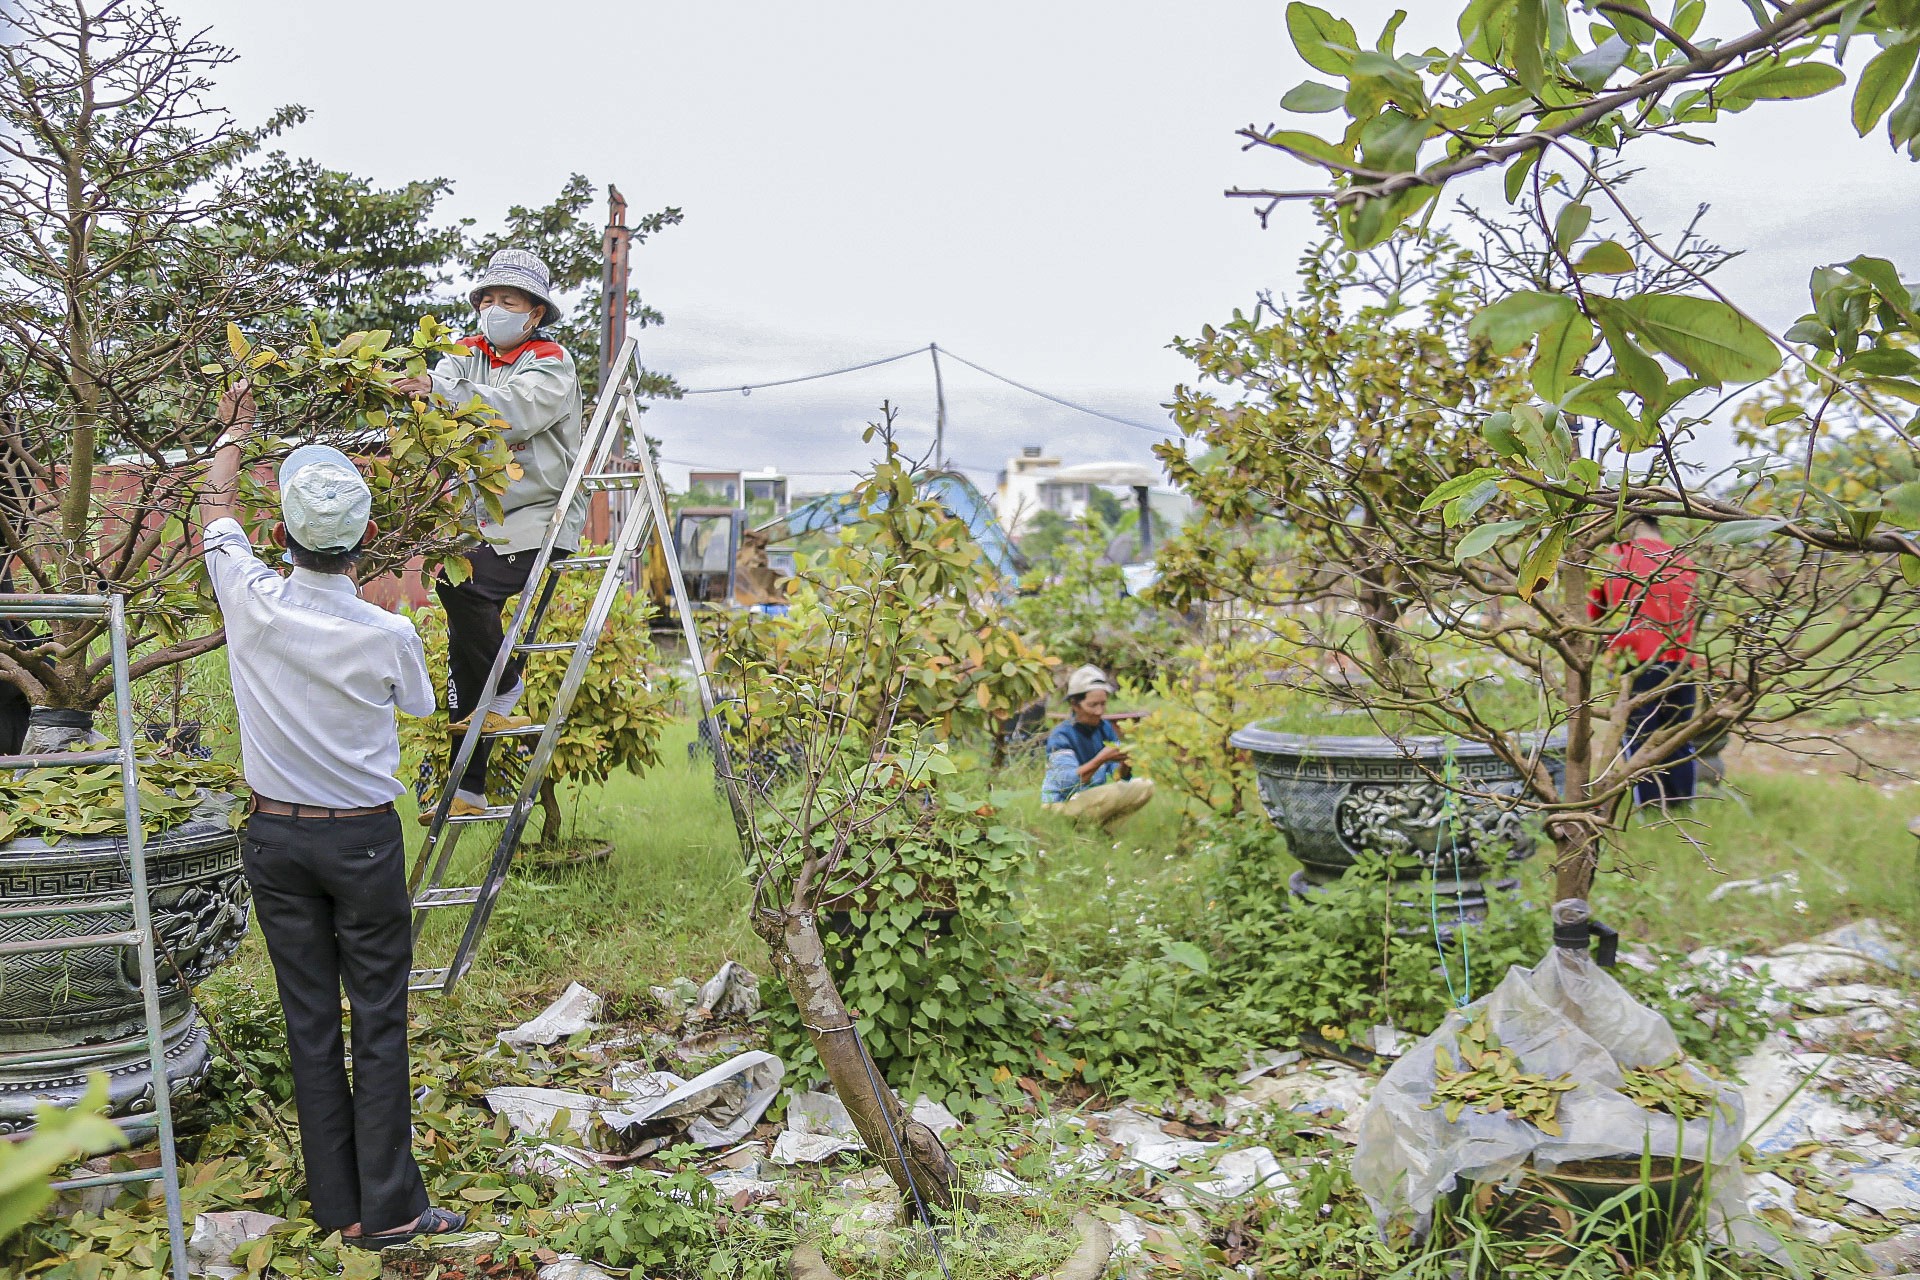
{"x":805,"y":377}
{"x":1060,"y":400}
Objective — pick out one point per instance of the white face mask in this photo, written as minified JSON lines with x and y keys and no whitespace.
{"x":504,"y":329}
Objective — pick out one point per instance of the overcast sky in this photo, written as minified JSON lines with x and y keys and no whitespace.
{"x":1034,"y":186}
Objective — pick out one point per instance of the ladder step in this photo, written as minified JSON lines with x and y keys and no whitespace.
{"x":31,"y":946}
{"x":547,"y":646}
{"x":426,"y":979}
{"x":101,"y":907}
{"x":573,"y":564}
{"x":459,"y":896}
{"x":492,"y":813}
{"x":614,"y":480}
{"x":524,"y":731}
{"x":61,"y":760}
{"x":112,"y":1179}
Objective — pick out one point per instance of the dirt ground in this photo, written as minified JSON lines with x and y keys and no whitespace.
{"x":1887,"y":756}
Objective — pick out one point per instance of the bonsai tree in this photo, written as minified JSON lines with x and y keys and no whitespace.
{"x":152,"y":255}
{"x":1375,"y":356}
{"x":136,"y":293}
{"x":890,"y":650}
{"x":1800,"y":596}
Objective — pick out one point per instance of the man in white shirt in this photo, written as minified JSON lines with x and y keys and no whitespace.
{"x":317,"y":673}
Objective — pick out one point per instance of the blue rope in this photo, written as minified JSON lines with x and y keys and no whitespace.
{"x":1462,"y":998}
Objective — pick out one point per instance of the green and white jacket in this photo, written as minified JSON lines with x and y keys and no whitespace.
{"x":537,"y":392}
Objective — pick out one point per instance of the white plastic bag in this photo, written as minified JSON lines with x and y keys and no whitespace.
{"x":1564,"y":1016}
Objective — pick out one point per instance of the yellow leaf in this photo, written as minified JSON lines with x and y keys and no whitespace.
{"x":237,"y":341}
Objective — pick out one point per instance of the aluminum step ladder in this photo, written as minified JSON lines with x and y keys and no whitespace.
{"x":137,"y":907}
{"x":640,"y":522}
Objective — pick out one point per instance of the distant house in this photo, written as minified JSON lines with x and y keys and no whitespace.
{"x":1035,"y":482}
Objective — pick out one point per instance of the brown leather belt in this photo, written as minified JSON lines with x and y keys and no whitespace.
{"x":281,"y":809}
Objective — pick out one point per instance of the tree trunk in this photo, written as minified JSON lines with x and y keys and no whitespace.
{"x":550,"y":811}
{"x":927,"y":1177}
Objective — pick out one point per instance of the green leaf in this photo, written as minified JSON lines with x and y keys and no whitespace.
{"x":1902,"y":504}
{"x":1538,"y":568}
{"x":1562,"y":345}
{"x":1326,"y":43}
{"x":1910,"y":569}
{"x":1517,"y":174}
{"x":1186,"y":953}
{"x":1404,"y":84}
{"x":1390,"y":142}
{"x":1809,"y":330}
{"x":1885,"y":280}
{"x":1784,"y":413}
{"x":1572,"y":223}
{"x":1310,"y":97}
{"x":1780,"y":82}
{"x":1306,"y":146}
{"x":1884,"y":362}
{"x":1608,"y":258}
{"x":1515,"y":319}
{"x":1736,"y":532}
{"x":1594,"y":67}
{"x":1705,"y":334}
{"x":1880,"y":83}
{"x":1903,"y":122}
{"x":1525,"y":45}
{"x":1498,"y":433}
{"x":1483,"y":538}
{"x":1458,"y":486}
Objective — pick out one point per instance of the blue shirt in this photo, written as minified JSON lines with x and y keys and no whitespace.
{"x":1070,"y":745}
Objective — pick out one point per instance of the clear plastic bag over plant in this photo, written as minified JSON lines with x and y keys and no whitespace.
{"x":1564,"y":1016}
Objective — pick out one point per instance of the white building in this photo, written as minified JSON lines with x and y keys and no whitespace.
{"x":1034,"y":482}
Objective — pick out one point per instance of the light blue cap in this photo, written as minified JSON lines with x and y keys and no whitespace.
{"x":323,"y":500}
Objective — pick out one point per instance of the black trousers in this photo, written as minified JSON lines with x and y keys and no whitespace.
{"x":331,"y":894}
{"x":474,"y":637}
{"x":1673,"y":706}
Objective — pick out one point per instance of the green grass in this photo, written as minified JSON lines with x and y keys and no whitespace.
{"x":1847,"y":841}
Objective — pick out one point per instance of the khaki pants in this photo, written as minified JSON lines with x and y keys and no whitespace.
{"x":1108,"y":803}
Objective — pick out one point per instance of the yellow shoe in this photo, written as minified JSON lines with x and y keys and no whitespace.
{"x":494,"y":723}
{"x":460,"y":809}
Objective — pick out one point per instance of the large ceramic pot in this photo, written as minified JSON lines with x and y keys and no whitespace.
{"x":1335,"y":798}
{"x":66,"y":1014}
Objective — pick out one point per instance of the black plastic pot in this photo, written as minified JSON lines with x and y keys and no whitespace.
{"x":1631,"y":1208}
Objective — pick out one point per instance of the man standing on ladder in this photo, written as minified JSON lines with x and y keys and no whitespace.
{"x":317,"y":673}
{"x":530,"y":382}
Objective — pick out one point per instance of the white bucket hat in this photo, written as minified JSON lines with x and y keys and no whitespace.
{"x":518,"y":269}
{"x":1086,"y":680}
{"x":323,"y":500}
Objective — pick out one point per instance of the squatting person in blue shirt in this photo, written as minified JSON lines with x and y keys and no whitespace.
{"x":1088,"y":774}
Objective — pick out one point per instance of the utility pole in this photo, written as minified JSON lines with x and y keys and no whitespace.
{"x":613,"y":279}
{"x":939,"y":410}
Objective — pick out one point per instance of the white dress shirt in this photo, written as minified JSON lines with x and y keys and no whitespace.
{"x":317,"y":673}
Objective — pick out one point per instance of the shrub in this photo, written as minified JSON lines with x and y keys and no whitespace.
{"x":617,"y":716}
{"x":919,"y":928}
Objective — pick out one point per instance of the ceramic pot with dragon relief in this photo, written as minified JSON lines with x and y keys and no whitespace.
{"x":1449,"y":804}
{"x":67,"y":1014}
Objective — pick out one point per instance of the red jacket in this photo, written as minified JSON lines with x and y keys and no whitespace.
{"x":1654,"y":584}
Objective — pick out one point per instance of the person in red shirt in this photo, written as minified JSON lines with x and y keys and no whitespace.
{"x":1650,"y":591}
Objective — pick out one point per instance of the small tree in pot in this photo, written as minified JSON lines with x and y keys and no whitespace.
{"x":1799,"y":596}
